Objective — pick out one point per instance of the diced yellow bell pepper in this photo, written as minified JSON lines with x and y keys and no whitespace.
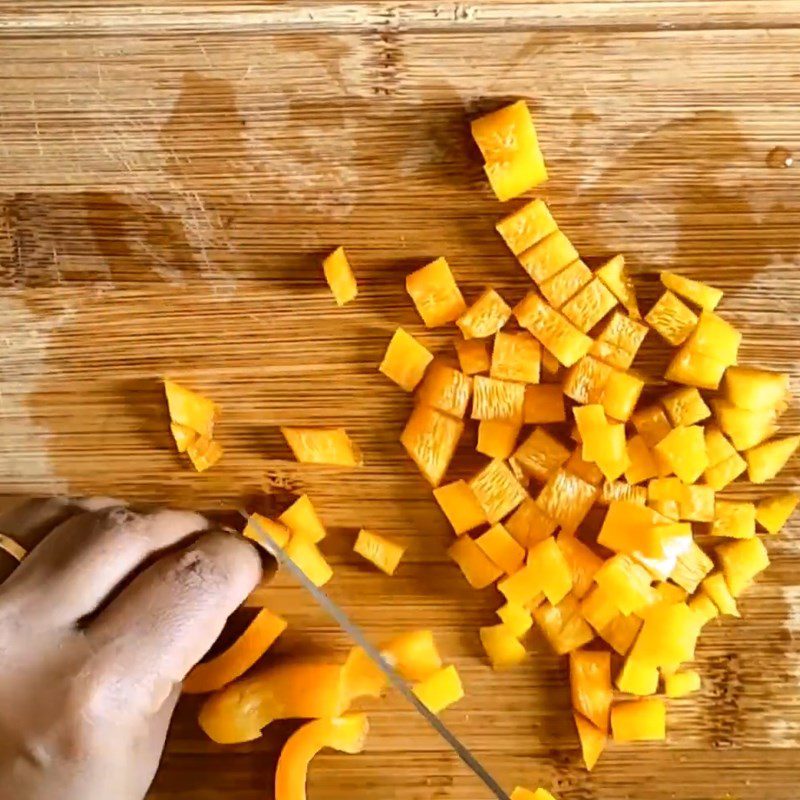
{"x":692,"y":566}
{"x":642,"y":463}
{"x":521,"y":587}
{"x":593,"y":302}
{"x":621,"y":632}
{"x":460,"y":506}
{"x":551,"y":366}
{"x":590,"y":685}
{"x":734,"y":519}
{"x":587,"y":471}
{"x":525,"y":227}
{"x":183,"y":435}
{"x":445,"y":389}
{"x":479,"y":570}
{"x":701,"y":294}
{"x":562,"y":625}
{"x":598,"y":609}
{"x":323,"y":446}
{"x":191,"y":409}
{"x":502,"y":549}
{"x":744,"y":428}
{"x":681,"y":684}
{"x":719,"y":449}
{"x":715,"y":337}
{"x":540,"y":455}
{"x":637,"y":677}
{"x":619,"y":341}
{"x":384,"y":553}
{"x":668,"y":636}
{"x":301,"y":519}
{"x":703,"y":607}
{"x":566,"y":499}
{"x":565,"y":284}
{"x":204,"y":453}
{"x":629,"y":528}
{"x":716,"y":587}
{"x":516,"y":357}
{"x":529,"y":524}
{"x":651,"y":424}
{"x":440,"y":690}
{"x":697,"y":504}
{"x":766,"y":460}
{"x":591,"y":423}
{"x":497,"y":491}
{"x":685,"y":406}
{"x":502,"y":646}
{"x":639,"y":721}
{"x":435,"y":293}
{"x":626,"y":583}
{"x":684,"y":449}
{"x":516,"y":618}
{"x":585,"y":380}
{"x":741,"y":562}
{"x":593,"y":741}
{"x":258,"y":524}
{"x":695,"y":369}
{"x":510,"y":179}
{"x":553,"y":330}
{"x":405,"y":360}
{"x":548,"y":257}
{"x":497,"y":438}
{"x":724,"y":463}
{"x":620,"y":490}
{"x":340,"y":278}
{"x":555,"y":575}
{"x":672,"y":319}
{"x":620,"y":394}
{"x":473,"y":356}
{"x":430,"y":438}
{"x":306,"y":555}
{"x":543,"y":403}
{"x":616,"y":278}
{"x":525,"y":794}
{"x":583,"y":563}
{"x":755,"y":389}
{"x":485,"y":317}
{"x":773,"y":512}
{"x":413,"y":654}
{"x":495,"y":399}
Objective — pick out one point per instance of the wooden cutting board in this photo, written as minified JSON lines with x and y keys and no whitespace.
{"x":172,"y":174}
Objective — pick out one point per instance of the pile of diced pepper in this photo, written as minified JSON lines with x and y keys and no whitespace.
{"x":624,"y":591}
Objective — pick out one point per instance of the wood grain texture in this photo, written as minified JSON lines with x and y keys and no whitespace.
{"x":172,"y":174}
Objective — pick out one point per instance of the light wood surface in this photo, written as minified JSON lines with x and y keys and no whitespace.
{"x":171,"y":175}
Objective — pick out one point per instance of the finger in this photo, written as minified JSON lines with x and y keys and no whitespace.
{"x":166,"y":620}
{"x":82,"y":561}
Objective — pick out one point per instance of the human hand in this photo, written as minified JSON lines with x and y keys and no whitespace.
{"x":90,"y":673}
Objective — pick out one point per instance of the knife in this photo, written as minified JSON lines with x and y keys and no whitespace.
{"x":358,"y":636}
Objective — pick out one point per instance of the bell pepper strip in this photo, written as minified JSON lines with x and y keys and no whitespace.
{"x":347,"y":734}
{"x":497,"y":490}
{"x":590,"y":685}
{"x":516,"y":357}
{"x":766,"y":460}
{"x":526,"y":226}
{"x":216,"y":673}
{"x":435,"y":294}
{"x":502,"y":646}
{"x":701,"y":294}
{"x":306,"y":555}
{"x":773,"y":512}
{"x":405,"y":360}
{"x":445,"y":389}
{"x":191,"y":409}
{"x":672,"y":319}
{"x":339,"y":276}
{"x":755,"y":389}
{"x":516,"y":618}
{"x":485,"y":317}
{"x":479,"y":570}
{"x":639,"y":720}
{"x":473,"y":356}
{"x":440,"y":690}
{"x":593,"y":741}
{"x":501,"y":548}
{"x":430,"y":439}
{"x":680,"y":684}
{"x":183,"y":435}
{"x":204,"y":453}
{"x":497,"y":400}
{"x":543,"y":403}
{"x":301,"y":519}
{"x":290,"y":690}
{"x":541,"y":454}
{"x":497,"y":438}
{"x":323,"y":446}
{"x":460,"y":506}
{"x":384,"y":553}
{"x":275,"y":530}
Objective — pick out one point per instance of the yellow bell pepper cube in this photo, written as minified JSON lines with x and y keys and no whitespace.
{"x":497,"y":490}
{"x":502,"y":647}
{"x":593,"y":741}
{"x":637,"y":678}
{"x":306,"y":555}
{"x":642,"y":464}
{"x":562,"y":625}
{"x":527,"y":226}
{"x":724,"y":463}
{"x":430,"y":439}
{"x":587,"y":471}
{"x":505,"y":132}
{"x":766,"y":460}
{"x":621,"y":632}
{"x":672,"y":319}
{"x":773,"y":512}
{"x":685,"y":406}
{"x":616,"y":278}
{"x":583,"y":563}
{"x":590,"y":685}
{"x":543,"y":403}
{"x":330,"y":446}
{"x":734,"y":519}
{"x":585,"y":380}
{"x":550,"y":364}
{"x":692,"y":567}
{"x":554,"y":331}
{"x":668,"y":636}
{"x":695,"y":369}
{"x":497,"y":400}
{"x":301,"y":519}
{"x":258,"y":524}
{"x":541,"y":454}
{"x":548,"y":257}
{"x":521,"y":587}
{"x":520,"y":793}
{"x":435,"y":293}
{"x":191,"y":409}
{"x":485,"y":317}
{"x":502,"y":549}
{"x":651,"y":424}
{"x":703,"y":607}
{"x":620,"y":394}
{"x":183,"y":435}
{"x":716,"y":587}
{"x":446,"y":389}
{"x":592,"y":424}
{"x":715,"y":337}
{"x":413,"y":654}
{"x":701,"y":294}
{"x":384,"y":553}
{"x":405,"y":360}
{"x":510,"y":179}
{"x":516,"y":357}
{"x":529,"y":524}
{"x":440,"y":690}
{"x":619,"y":341}
{"x":460,"y":506}
{"x":340,"y":278}
{"x":697,"y":504}
{"x":630,"y":528}
{"x":479,"y":570}
{"x":497,"y":438}
{"x":566,"y":499}
{"x":204,"y":453}
{"x":755,"y":389}
{"x":639,"y":721}
{"x":626,"y":583}
{"x":612,"y":491}
{"x":681,"y":684}
{"x":473,"y":356}
{"x":744,"y":428}
{"x":565,"y":284}
{"x":516,"y":618}
{"x":593,"y":302}
{"x":741,"y":562}
{"x":598,"y":609}
{"x":684,"y":450}
{"x":555,"y":575}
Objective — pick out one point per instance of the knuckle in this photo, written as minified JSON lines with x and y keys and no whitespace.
{"x":119,"y":518}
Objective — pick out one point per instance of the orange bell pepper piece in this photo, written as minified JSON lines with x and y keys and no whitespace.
{"x":340,"y":278}
{"x":590,"y":684}
{"x":639,"y":721}
{"x":347,"y":734}
{"x":405,"y":360}
{"x":323,"y":446}
{"x":259,"y":636}
{"x":485,"y":316}
{"x":593,"y":741}
{"x":191,"y":409}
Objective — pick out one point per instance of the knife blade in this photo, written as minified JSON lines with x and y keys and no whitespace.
{"x":357,"y":635}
